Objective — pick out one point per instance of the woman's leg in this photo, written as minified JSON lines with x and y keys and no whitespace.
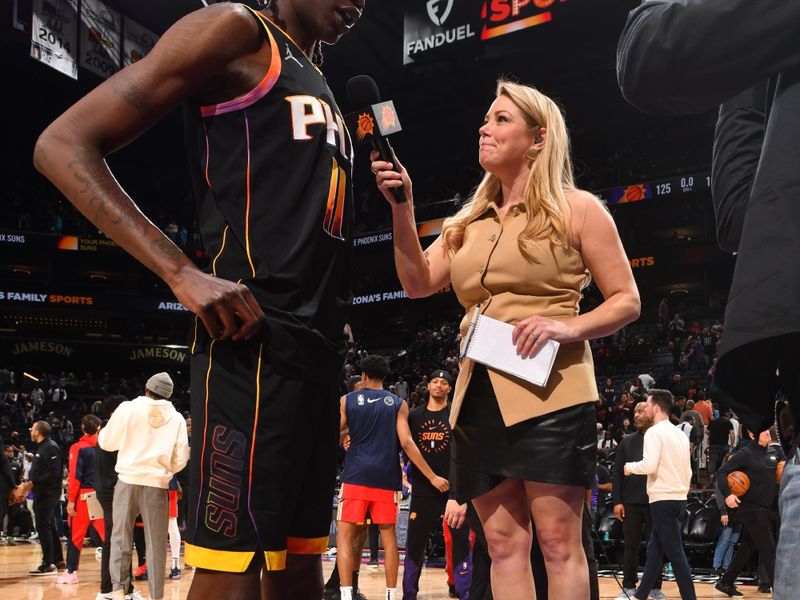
{"x":506,"y":520}
{"x":557,"y":511}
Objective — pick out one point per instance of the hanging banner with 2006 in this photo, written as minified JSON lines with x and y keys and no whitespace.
{"x":101,"y":35}
{"x":435,"y":30}
{"x":54,"y":35}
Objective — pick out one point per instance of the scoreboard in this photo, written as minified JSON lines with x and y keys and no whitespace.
{"x":656,"y":190}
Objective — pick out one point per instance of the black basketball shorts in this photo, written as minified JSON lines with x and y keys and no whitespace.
{"x":263,"y":459}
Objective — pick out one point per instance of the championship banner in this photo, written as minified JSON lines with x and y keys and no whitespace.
{"x":101,"y":29}
{"x":136,"y":42}
{"x":54,"y":34}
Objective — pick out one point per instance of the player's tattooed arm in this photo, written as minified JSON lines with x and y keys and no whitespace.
{"x":100,"y":198}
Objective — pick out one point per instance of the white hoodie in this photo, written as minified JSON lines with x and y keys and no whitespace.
{"x":151,"y":438}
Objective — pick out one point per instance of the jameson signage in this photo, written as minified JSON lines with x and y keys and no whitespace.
{"x":176,"y":354}
{"x":96,"y":352}
{"x":42,"y":347}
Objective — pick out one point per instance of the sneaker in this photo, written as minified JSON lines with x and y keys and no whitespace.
{"x":451,"y":591}
{"x":98,"y":553}
{"x":373,"y":563}
{"x":626,"y":594}
{"x":359,"y":596}
{"x":102,"y":596}
{"x":656,"y":594}
{"x":68,"y":578}
{"x":140,"y":573}
{"x":764,"y":589}
{"x":728,"y":588}
{"x":331,"y":594}
{"x":175,"y":573}
{"x":134,"y":595}
{"x":44,"y":570}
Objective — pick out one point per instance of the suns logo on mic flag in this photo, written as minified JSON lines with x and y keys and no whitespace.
{"x":365,"y":126}
{"x":364,"y":122}
{"x":388,"y":117}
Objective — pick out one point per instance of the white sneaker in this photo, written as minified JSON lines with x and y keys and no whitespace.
{"x":102,"y":596}
{"x":626,"y":594}
{"x":135,"y":595}
{"x":656,"y":594}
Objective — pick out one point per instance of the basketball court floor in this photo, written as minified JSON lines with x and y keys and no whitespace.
{"x":16,"y":561}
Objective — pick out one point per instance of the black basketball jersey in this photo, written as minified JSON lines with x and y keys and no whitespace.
{"x":271,"y":171}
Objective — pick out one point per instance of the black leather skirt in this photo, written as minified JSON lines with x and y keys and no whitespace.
{"x":559,"y":447}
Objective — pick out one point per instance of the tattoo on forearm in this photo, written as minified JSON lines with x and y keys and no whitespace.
{"x":104,"y":203}
{"x":165,"y":248}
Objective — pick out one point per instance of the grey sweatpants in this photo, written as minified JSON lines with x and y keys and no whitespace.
{"x":153,"y":504}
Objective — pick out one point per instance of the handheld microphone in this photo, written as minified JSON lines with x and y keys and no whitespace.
{"x":371,"y":124}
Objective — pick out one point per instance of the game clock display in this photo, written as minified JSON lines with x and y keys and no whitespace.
{"x":664,"y":188}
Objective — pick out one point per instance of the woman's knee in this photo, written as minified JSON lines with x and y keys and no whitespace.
{"x":559,"y":544}
{"x":505,"y":543}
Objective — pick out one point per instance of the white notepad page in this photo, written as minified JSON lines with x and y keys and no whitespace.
{"x":489,"y":343}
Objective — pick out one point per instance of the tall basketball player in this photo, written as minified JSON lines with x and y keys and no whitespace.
{"x":270,"y":161}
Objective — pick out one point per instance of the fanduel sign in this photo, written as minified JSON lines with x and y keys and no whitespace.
{"x":432,"y":27}
{"x":437,"y":30}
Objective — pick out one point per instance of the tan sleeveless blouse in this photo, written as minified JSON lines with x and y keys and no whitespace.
{"x":489,"y":270}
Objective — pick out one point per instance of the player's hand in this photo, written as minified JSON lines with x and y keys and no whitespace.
{"x":531,"y":334}
{"x":455,"y":513}
{"x":346,"y":443}
{"x":228,"y":310}
{"x":387,"y":176}
{"x":619,"y":511}
{"x":627,"y":470}
{"x":440,"y":483}
{"x":732,"y":501}
{"x":71,"y":509}
{"x":724,"y":520}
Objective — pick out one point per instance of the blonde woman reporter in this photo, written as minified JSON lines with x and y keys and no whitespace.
{"x":522,"y":249}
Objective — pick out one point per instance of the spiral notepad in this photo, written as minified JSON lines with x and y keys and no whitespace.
{"x":488,"y":341}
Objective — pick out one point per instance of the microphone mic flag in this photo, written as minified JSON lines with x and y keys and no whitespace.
{"x":373,"y":121}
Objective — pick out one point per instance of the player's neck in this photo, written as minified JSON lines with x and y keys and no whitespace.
{"x":435,"y":405}
{"x":285,"y":18}
{"x":373,"y":384}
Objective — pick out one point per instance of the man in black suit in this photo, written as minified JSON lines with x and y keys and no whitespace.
{"x":678,"y":57}
{"x":45,"y":480}
{"x":631,"y":504}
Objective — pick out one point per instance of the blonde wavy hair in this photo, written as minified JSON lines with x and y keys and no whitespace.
{"x":549,"y":179}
